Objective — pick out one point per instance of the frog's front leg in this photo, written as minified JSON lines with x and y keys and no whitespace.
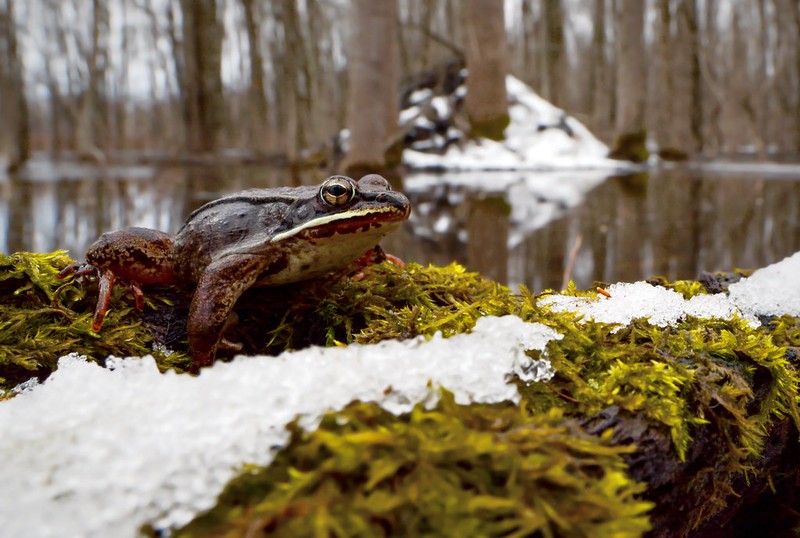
{"x":218,"y":289}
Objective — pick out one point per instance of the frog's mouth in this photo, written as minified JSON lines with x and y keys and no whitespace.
{"x":346,"y":222}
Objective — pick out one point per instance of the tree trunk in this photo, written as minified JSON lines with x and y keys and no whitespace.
{"x":553,"y":43}
{"x":298,"y":83}
{"x":374,"y":81}
{"x":599,"y":99}
{"x":487,"y":62}
{"x":257,"y":98}
{"x":663,"y":91}
{"x":91,"y":125}
{"x":631,"y":76}
{"x":688,"y":83}
{"x":14,"y":128}
{"x":202,"y":57}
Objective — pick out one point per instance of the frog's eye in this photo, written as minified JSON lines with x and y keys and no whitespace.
{"x":337,"y":191}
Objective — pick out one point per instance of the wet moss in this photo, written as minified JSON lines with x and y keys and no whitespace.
{"x":477,"y":470}
{"x":42,"y":319}
{"x":631,"y":146}
{"x":367,"y":472}
{"x":491,"y":128}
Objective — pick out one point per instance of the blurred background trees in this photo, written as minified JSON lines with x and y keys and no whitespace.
{"x":270,"y":78}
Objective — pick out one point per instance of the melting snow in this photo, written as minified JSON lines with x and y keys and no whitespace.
{"x":773,"y":290}
{"x":99,"y":452}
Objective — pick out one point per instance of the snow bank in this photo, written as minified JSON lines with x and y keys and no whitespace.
{"x":99,"y":452}
{"x":539,"y":137}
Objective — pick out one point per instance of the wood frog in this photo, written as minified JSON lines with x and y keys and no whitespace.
{"x":257,"y":237}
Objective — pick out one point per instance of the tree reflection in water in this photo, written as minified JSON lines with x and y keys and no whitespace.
{"x":674,"y":223}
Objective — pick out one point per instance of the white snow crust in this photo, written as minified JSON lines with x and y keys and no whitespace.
{"x":100,"y":452}
{"x":773,"y":290}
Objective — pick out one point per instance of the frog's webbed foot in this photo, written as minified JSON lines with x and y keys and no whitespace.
{"x":78,"y":270}
{"x":106,"y":280}
{"x":105,"y":284}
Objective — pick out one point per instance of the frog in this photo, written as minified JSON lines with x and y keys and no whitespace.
{"x":252,"y":238}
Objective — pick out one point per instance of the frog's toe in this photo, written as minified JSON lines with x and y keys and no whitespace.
{"x":138,"y":296}
{"x":224,"y":343}
{"x":77,"y":270}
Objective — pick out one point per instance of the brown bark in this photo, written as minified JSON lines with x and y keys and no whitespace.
{"x":297,"y":82}
{"x":599,"y":90}
{"x":374,"y":80}
{"x":554,"y":56}
{"x":14,"y":128}
{"x":663,"y":91}
{"x":91,"y":127}
{"x":202,"y":57}
{"x":794,"y":10}
{"x":257,"y":98}
{"x":630,"y":84}
{"x":688,"y":84}
{"x":487,"y":61}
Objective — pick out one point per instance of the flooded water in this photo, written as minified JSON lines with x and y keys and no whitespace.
{"x":522,"y":228}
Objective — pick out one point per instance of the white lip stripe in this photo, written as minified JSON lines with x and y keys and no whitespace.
{"x":328,"y":219}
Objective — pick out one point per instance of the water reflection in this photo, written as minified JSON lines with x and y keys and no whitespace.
{"x":534,"y":229}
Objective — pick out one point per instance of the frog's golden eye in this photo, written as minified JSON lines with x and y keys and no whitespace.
{"x":337,"y":191}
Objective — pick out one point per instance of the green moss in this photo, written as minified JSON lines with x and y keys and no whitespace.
{"x":473,"y":469}
{"x":687,"y":288}
{"x":631,"y":146}
{"x":42,"y":319}
{"x":682,"y":377}
{"x":478,"y":470}
{"x":493,"y":128}
{"x":384,"y":301}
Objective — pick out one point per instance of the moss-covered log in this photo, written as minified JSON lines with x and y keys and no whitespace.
{"x":690,"y":430}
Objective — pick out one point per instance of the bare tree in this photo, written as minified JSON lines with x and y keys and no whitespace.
{"x":374,"y":78}
{"x":599,"y":84}
{"x":257,"y":97}
{"x":792,"y":11}
{"x":688,"y":125}
{"x":487,"y":61}
{"x":202,"y":86}
{"x":14,"y":128}
{"x":297,"y":81}
{"x":630,"y":88}
{"x":91,"y":116}
{"x":553,"y":53}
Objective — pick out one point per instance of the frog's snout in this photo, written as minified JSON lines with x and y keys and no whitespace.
{"x":395,"y":200}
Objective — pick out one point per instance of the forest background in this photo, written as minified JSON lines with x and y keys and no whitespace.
{"x":105,"y":79}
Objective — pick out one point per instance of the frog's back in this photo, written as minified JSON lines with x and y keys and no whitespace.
{"x":238,"y":223}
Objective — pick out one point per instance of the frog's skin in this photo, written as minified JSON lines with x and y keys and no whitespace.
{"x":258,"y":237}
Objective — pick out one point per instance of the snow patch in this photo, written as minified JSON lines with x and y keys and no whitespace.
{"x":773,"y":290}
{"x":540,"y":137}
{"x":100,"y":451}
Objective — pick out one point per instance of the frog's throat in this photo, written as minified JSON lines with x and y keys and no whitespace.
{"x":381,"y":215}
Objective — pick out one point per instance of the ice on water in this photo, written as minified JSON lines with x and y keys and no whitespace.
{"x":99,"y":452}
